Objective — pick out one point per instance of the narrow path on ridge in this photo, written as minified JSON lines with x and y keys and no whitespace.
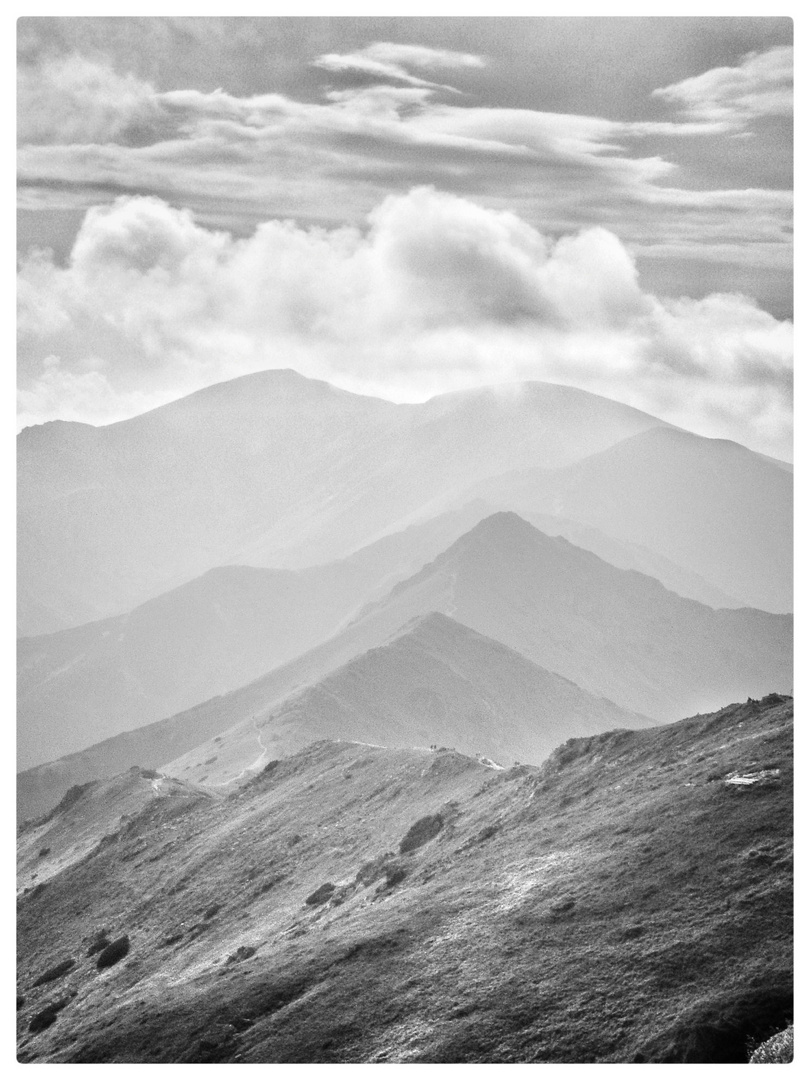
{"x":260,"y":760}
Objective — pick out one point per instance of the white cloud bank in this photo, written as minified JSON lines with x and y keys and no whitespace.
{"x":437,"y":293}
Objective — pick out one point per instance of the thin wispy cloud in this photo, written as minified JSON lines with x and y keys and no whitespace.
{"x":389,"y":60}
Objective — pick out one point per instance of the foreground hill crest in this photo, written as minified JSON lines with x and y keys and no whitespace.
{"x":477,"y":915}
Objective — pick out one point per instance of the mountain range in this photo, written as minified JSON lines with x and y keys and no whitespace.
{"x":234,"y":623}
{"x":710,"y":505}
{"x":432,"y":681}
{"x":351,"y":731}
{"x":616,"y":634}
{"x":270,"y":469}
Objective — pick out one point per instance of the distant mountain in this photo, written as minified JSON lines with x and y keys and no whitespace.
{"x":86,"y":684}
{"x":709,"y":505}
{"x":629,"y":902}
{"x":435,"y":681}
{"x":627,"y":555}
{"x":235,"y":623}
{"x":269,"y":469}
{"x":615,"y":633}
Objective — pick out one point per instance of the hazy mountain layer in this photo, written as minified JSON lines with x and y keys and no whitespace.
{"x":618,"y":634}
{"x":230,"y":626}
{"x":615,"y":633}
{"x":630,"y":901}
{"x":271,"y":468}
{"x":709,"y":505}
{"x":434,"y":682}
{"x":627,"y":555}
{"x":86,"y":684}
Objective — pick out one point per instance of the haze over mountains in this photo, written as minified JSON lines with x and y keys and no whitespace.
{"x":271,"y":469}
{"x":204,"y":638}
{"x":709,"y":505}
{"x":235,"y":623}
{"x":434,"y":681}
{"x":616,"y":634}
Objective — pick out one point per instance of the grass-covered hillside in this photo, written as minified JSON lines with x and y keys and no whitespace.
{"x":628,"y":901}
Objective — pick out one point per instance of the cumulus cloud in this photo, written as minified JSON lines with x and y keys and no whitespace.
{"x":434,"y":293}
{"x":760,"y":85}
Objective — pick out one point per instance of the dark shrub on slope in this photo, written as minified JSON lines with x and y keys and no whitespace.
{"x":114,"y":952}
{"x":45,"y":1017}
{"x":55,"y":972}
{"x":420,"y":832}
{"x":101,"y":942}
{"x":321,"y":894}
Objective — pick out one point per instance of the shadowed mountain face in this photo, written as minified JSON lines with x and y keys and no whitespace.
{"x":361,"y":904}
{"x":270,"y":469}
{"x":710,"y":506}
{"x":434,"y":682}
{"x":616,"y":634}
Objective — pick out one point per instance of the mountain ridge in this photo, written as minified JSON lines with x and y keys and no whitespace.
{"x":431,"y":681}
{"x":268,"y":469}
{"x":616,"y":634}
{"x":711,"y":506}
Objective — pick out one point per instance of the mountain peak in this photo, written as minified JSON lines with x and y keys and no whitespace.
{"x":503,"y":520}
{"x":503,"y":528}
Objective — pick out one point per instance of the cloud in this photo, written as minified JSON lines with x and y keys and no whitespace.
{"x":434,"y":293}
{"x":80,"y":396}
{"x":388,"y":60}
{"x":72,"y":99}
{"x":760,"y":85}
{"x":90,"y":133}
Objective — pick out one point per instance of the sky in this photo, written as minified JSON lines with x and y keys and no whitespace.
{"x":408,"y":206}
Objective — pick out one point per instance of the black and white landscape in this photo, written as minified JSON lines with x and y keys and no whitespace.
{"x":405,"y":509}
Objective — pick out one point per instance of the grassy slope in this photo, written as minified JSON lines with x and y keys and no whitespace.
{"x":87,"y":812}
{"x":621,"y":903}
